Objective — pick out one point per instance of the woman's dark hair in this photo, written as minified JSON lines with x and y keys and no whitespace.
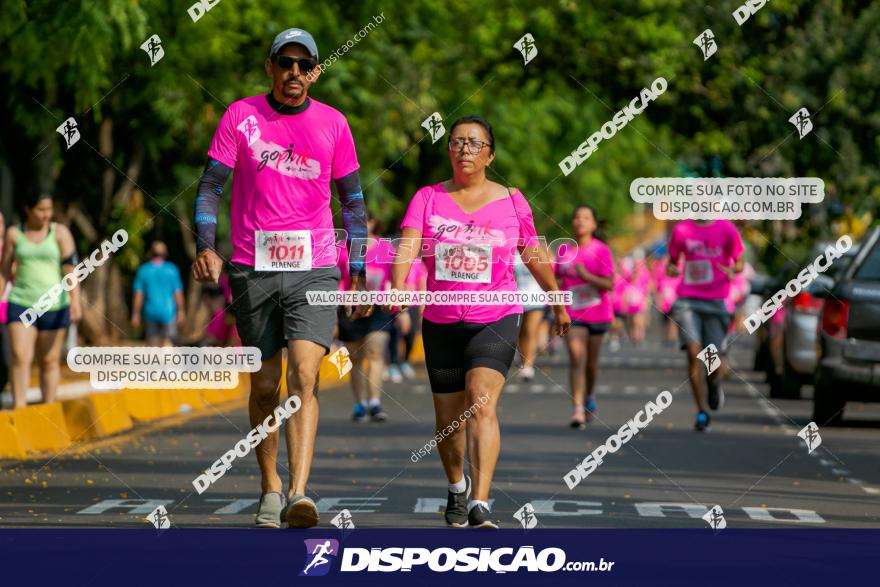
{"x":34,"y":197}
{"x":599,"y":233}
{"x":474,"y":119}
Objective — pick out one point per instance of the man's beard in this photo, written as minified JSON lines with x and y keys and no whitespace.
{"x":292,"y":92}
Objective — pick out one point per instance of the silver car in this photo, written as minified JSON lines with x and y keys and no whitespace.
{"x":799,"y":355}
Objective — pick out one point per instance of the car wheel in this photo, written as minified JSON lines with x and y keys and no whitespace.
{"x":827,"y":404}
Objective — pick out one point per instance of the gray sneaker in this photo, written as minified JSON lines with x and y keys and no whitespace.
{"x":300,"y":512}
{"x":269,"y":514}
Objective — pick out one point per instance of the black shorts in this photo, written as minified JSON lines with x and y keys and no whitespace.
{"x":270,"y":307}
{"x":52,"y":320}
{"x":593,"y":327}
{"x":352,"y":330}
{"x":451,"y":350}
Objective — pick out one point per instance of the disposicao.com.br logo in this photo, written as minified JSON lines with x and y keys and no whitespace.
{"x":441,"y":560}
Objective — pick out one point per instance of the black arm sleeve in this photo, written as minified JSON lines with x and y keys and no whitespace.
{"x":354,"y":219}
{"x":208,"y":202}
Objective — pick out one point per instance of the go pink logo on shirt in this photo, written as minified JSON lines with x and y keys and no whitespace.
{"x":455,"y":230}
{"x":284,"y":160}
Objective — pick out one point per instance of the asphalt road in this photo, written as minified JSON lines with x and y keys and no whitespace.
{"x":751,"y":463}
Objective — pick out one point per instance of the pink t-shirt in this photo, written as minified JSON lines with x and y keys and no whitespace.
{"x":378,"y":257}
{"x":704,"y":248}
{"x":589,"y":304}
{"x":283,"y":166}
{"x":487,"y":232}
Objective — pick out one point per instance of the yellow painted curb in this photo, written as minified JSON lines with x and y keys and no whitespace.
{"x":96,"y":415}
{"x":145,"y":405}
{"x":190,"y":397}
{"x":41,"y":427}
{"x":418,"y":350}
{"x":11,"y":445}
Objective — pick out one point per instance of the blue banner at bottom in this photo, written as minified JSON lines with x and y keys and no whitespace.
{"x":398,"y":557}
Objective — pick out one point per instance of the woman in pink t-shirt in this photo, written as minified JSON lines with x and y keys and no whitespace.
{"x":468,"y":230}
{"x":587,"y":271}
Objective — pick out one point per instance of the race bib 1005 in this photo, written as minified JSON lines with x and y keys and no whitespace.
{"x":282,"y":250}
{"x":469,"y":263}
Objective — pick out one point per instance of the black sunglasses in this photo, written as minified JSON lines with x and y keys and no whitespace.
{"x":306,"y":65}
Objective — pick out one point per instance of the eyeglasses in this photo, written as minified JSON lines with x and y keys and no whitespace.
{"x":306,"y":65}
{"x":474,"y":146}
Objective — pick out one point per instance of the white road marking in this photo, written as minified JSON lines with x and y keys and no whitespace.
{"x":434,"y":505}
{"x":236,"y":507}
{"x":801,"y":516}
{"x":134,"y":506}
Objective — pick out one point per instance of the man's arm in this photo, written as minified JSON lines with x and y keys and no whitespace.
{"x":208,"y":264}
{"x":354,"y":220}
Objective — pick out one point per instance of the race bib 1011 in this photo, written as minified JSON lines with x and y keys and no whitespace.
{"x":282,"y":250}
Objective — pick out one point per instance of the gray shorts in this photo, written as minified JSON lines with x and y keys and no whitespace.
{"x":702,"y":321}
{"x":160,"y":330}
{"x":270,"y":307}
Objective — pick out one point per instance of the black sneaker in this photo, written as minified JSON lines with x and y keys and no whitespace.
{"x":702,"y":423}
{"x":478,"y":517}
{"x":716,"y":394}
{"x":456,"y":507}
{"x":377,"y":414}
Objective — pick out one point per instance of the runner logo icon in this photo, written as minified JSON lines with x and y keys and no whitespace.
{"x":159,"y":518}
{"x":706,"y":42}
{"x":802,"y":122}
{"x":526,"y":46}
{"x":715,"y":518}
{"x":710,"y":358}
{"x":69,"y":131}
{"x":343,"y":520}
{"x":341,"y":359}
{"x":526,"y":516}
{"x":810,"y":435}
{"x":319,"y":556}
{"x":434,"y":125}
{"x":153,"y":48}
{"x":250,"y":129}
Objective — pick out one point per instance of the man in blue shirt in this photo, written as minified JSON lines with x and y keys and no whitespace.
{"x":158,"y":293}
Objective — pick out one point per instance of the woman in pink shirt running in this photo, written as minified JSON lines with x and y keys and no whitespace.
{"x":587,"y":271}
{"x":468,"y":230}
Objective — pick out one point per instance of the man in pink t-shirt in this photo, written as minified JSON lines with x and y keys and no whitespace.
{"x":284,"y":148}
{"x":711,"y":251}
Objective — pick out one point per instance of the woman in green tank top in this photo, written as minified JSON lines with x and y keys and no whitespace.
{"x":35,"y":258}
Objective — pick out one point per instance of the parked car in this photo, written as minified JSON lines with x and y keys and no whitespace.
{"x":787,"y":351}
{"x":800,"y":327}
{"x":849,"y":337}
